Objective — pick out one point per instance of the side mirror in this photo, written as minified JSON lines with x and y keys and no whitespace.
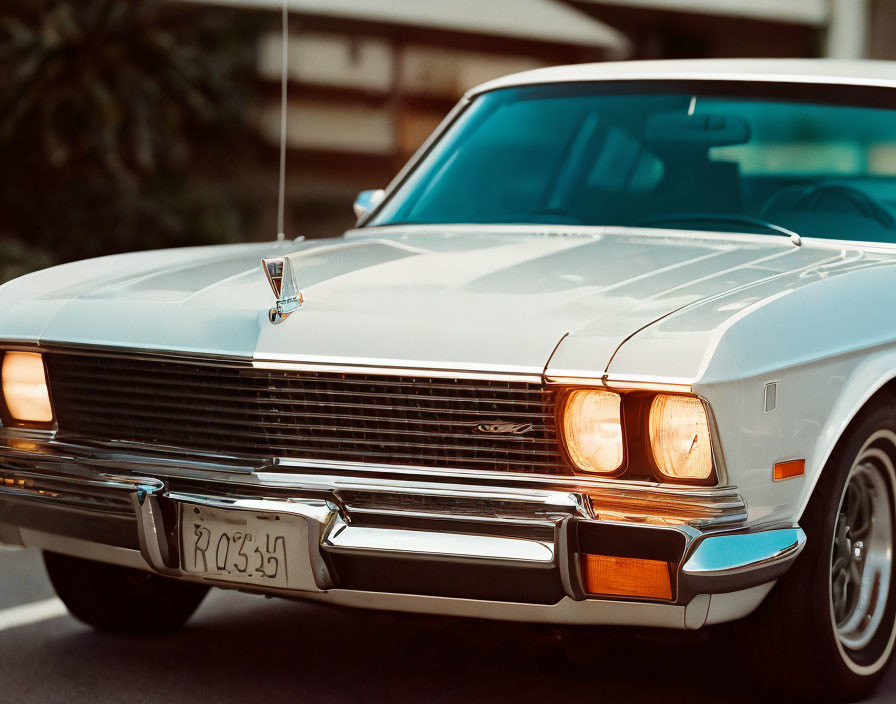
{"x":367,"y":201}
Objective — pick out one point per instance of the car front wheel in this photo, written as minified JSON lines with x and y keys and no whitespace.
{"x":121,"y":599}
{"x":827,"y":630}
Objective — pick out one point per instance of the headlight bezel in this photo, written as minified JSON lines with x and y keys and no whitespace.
{"x":639,"y":463}
{"x":563,"y":407}
{"x":666,"y":476}
{"x":7,"y":419}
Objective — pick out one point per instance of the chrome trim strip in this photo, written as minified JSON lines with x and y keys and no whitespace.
{"x":24,"y":343}
{"x":80,"y":490}
{"x":568,"y":483}
{"x":81,"y":479}
{"x":152,"y":535}
{"x":316,"y":509}
{"x":732,"y":606}
{"x":714,"y":511}
{"x":343,"y":537}
{"x":565,"y":611}
{"x":397,"y":368}
{"x":559,"y":495}
{"x":523,"y":79}
{"x":143,"y":353}
{"x":284,"y":470}
{"x":486,"y":520}
{"x":617,"y":382}
{"x":720,"y":555}
{"x":25,"y":435}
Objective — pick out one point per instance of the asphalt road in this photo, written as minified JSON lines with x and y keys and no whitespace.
{"x":244,"y":648}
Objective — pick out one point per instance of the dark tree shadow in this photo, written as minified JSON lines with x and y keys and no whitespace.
{"x":239,"y":649}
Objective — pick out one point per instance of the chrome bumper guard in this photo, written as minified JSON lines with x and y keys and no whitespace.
{"x":509,"y":545}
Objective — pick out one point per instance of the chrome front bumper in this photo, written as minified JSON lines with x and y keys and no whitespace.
{"x":400,"y":541}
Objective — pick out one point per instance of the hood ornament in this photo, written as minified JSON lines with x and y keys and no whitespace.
{"x":282,"y":279}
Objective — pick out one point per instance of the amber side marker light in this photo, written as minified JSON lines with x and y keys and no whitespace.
{"x":789,"y":469}
{"x":626,"y":576}
{"x":24,"y":385}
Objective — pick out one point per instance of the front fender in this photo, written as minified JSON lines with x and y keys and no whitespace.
{"x":829,"y":346}
{"x":868,"y":377}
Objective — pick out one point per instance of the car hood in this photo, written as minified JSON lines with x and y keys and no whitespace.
{"x":425,"y":297}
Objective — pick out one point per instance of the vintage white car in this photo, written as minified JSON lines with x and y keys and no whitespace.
{"x":614,"y":348}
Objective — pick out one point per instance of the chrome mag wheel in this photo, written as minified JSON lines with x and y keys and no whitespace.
{"x":862,"y":554}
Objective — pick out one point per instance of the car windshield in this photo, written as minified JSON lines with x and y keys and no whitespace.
{"x":807,"y":159}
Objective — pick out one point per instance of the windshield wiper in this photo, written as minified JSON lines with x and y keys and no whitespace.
{"x":734,"y":219}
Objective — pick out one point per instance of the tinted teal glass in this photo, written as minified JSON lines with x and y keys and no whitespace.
{"x":569,"y":155}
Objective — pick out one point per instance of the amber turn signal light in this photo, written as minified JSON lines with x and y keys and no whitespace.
{"x":626,"y":576}
{"x":24,"y":385}
{"x":792,"y":468}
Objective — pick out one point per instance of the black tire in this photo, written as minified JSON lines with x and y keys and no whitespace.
{"x":120,"y":599}
{"x":792,"y":638}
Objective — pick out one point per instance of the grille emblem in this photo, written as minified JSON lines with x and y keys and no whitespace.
{"x":501,"y":428}
{"x":282,"y":279}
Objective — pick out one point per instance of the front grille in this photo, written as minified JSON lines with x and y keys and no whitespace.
{"x":367,"y":418}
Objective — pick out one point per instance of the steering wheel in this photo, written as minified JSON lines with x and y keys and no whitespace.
{"x":864,"y":203}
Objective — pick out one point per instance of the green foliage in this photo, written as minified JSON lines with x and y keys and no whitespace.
{"x":112,"y":119}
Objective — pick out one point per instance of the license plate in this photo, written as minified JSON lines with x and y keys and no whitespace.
{"x":244,"y":546}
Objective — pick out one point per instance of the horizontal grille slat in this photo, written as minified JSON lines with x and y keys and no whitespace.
{"x":346,"y":434}
{"x":262,"y":416}
{"x":281,"y":396}
{"x":319,"y":431}
{"x":381,"y":419}
{"x":220,"y":406}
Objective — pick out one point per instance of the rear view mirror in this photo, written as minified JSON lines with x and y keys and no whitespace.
{"x":367,"y":201}
{"x":708,"y":130}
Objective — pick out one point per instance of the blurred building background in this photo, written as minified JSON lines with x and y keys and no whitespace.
{"x":371,"y":79}
{"x":144,"y":123}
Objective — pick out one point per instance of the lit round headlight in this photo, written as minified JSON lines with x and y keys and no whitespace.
{"x":24,"y":385}
{"x":679,"y":437}
{"x":593,"y":430}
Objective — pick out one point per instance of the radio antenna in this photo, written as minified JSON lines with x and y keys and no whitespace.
{"x":284,"y":65}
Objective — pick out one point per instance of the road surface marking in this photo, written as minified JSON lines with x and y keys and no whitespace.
{"x":31,"y":613}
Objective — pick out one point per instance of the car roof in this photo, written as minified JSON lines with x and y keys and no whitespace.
{"x":820,"y":71}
